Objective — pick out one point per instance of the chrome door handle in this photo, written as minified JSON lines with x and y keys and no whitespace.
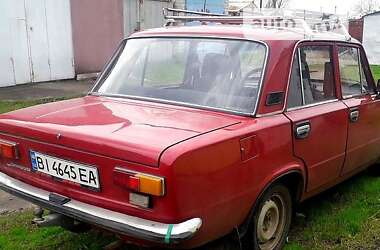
{"x":302,"y":130}
{"x":354,"y":115}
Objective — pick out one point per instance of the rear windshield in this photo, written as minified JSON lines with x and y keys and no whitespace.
{"x":216,"y":73}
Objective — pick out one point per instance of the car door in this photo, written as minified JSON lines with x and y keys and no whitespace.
{"x":358,"y":92}
{"x":319,"y":118}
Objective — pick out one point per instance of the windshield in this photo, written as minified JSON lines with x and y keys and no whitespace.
{"x":216,"y":73}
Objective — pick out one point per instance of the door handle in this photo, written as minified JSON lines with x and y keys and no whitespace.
{"x":302,"y":130}
{"x":354,"y":115}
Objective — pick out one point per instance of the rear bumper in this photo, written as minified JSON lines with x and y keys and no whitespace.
{"x":117,"y":222}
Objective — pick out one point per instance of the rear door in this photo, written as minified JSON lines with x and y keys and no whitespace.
{"x":319,"y":119}
{"x":357,"y":86}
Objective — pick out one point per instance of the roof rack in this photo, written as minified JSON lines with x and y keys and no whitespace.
{"x":308,"y":23}
{"x":178,"y":12}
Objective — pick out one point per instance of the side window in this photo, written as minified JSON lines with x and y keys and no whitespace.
{"x":312,"y":76}
{"x":317,"y":74}
{"x":295,"y":91}
{"x":352,"y":75}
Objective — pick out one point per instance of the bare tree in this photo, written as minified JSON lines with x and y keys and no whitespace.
{"x":364,"y":7}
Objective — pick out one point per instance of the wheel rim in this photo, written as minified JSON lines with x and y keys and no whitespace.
{"x":271,"y":222}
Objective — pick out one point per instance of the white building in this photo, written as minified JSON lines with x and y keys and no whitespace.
{"x":371,"y":37}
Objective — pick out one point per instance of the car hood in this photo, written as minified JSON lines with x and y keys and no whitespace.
{"x":125,"y":129}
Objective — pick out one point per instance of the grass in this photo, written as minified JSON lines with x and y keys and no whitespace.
{"x":375,"y":72}
{"x":16,"y":232}
{"x":345,"y":217}
{"x":6,"y":106}
{"x":340,"y":218}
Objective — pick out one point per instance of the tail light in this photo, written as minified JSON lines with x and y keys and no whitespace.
{"x":9,"y":150}
{"x":139,"y":182}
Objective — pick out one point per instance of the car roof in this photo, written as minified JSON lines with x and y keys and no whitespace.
{"x":243,"y":32}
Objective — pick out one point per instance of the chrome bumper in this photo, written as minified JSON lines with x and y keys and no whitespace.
{"x":117,"y":222}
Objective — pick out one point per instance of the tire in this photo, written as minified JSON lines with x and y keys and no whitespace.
{"x":269,"y":226}
{"x":374,"y":169}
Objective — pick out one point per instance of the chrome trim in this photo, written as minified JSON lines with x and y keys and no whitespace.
{"x":354,"y":115}
{"x":346,"y":97}
{"x":197,"y":36}
{"x":269,"y":114}
{"x":301,"y":76}
{"x":183,"y":104}
{"x":303,"y":131}
{"x":114,"y":221}
{"x":312,"y":105}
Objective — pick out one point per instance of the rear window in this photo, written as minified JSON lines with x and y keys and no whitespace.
{"x":217,"y":73}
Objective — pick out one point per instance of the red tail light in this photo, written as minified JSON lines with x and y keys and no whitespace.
{"x":9,"y":150}
{"x":139,"y":182}
{"x":127,"y":180}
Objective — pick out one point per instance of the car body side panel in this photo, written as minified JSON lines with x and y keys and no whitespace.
{"x":363,"y":141}
{"x":276,"y":75}
{"x":323,"y":151}
{"x":210,"y":179}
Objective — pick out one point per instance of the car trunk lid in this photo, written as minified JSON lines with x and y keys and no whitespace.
{"x":129,"y":130}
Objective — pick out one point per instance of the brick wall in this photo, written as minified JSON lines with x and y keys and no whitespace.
{"x":355,"y":29}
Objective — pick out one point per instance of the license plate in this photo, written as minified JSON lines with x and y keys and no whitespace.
{"x":65,"y":170}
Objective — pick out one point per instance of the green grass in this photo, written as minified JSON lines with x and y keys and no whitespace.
{"x":375,"y":72}
{"x":345,"y":217}
{"x":340,"y":217}
{"x":17,"y":232}
{"x":6,"y":106}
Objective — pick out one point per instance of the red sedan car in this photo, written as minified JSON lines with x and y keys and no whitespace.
{"x":191,"y":133}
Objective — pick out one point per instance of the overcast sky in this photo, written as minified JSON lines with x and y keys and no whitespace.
{"x":343,"y":6}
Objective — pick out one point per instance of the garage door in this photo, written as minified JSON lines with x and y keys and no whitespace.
{"x":36,"y":41}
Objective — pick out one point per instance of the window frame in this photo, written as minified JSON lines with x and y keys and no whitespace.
{"x":363,"y":64}
{"x":297,"y":52}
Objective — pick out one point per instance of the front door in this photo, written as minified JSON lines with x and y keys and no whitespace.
{"x":319,"y":119}
{"x":363,"y":145}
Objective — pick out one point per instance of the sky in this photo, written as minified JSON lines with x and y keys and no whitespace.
{"x":342,"y":6}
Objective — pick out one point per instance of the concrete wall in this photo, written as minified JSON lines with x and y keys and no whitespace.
{"x":97,"y":30}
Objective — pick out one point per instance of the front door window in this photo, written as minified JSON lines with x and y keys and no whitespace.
{"x":352,"y":76}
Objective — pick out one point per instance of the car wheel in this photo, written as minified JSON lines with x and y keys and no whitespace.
{"x":271,"y":220}
{"x":375,"y":169}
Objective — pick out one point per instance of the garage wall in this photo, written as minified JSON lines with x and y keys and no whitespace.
{"x":355,"y":28}
{"x":97,"y":30}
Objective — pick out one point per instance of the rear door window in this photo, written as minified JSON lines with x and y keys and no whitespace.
{"x":317,"y":74}
{"x":312,"y":77}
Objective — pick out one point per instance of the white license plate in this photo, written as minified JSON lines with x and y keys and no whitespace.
{"x":66,"y":170}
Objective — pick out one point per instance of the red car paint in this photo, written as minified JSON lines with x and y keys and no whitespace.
{"x":216,"y":164}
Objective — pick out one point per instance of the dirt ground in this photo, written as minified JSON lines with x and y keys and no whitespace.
{"x":10,"y":204}
{"x":66,"y":88}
